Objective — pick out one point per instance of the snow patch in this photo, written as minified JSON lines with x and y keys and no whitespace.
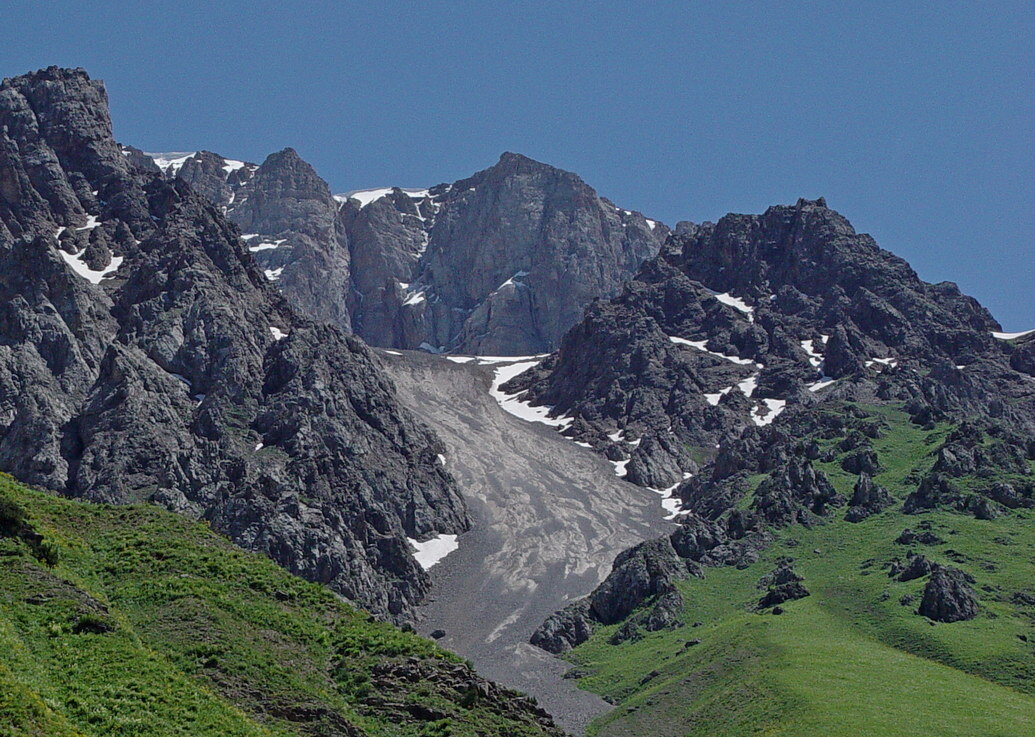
{"x":749,"y":385}
{"x":366,"y":196}
{"x":430,"y":552}
{"x":1011,"y":336}
{"x":511,"y":402}
{"x":821,"y":384}
{"x":893,"y":362}
{"x":277,"y":333}
{"x":670,"y":504}
{"x":265,"y":246}
{"x":511,"y":281}
{"x":80,"y":267}
{"x":814,"y":357}
{"x":274,"y":274}
{"x":92,"y":221}
{"x":700,"y":345}
{"x":230,"y":166}
{"x":171,"y":162}
{"x":774,"y":407}
{"x":713,"y":399}
{"x":735,"y":302}
{"x":414,"y":298}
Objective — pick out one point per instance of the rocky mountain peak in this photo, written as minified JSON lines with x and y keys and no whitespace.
{"x":147,"y":357}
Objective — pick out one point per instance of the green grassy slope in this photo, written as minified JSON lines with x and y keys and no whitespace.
{"x":134,"y":621}
{"x":852,"y":658}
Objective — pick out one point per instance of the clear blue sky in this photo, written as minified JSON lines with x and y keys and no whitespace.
{"x":915,"y":120}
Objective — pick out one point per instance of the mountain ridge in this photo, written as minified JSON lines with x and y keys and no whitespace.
{"x":146,"y":356}
{"x":439,"y":269}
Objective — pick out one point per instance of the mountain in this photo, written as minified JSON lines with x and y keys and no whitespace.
{"x":503,"y":262}
{"x":145,"y":356}
{"x":513,"y":254}
{"x":752,"y":476}
{"x":847,"y":447}
{"x":815,"y":599}
{"x":132,"y":620}
{"x":737,"y":322}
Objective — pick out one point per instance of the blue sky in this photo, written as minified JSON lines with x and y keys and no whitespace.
{"x":915,"y":120}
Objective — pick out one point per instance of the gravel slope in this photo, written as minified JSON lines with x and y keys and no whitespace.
{"x":548,"y":519}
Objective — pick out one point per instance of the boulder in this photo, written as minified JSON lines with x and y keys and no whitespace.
{"x":948,"y":596}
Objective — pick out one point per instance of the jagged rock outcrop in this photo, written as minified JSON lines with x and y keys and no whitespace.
{"x":924,"y":537}
{"x":145,"y":356}
{"x":455,"y":679}
{"x":938,"y":490}
{"x":934,"y":489}
{"x":868,"y":498}
{"x":916,"y":566}
{"x":782,"y":593}
{"x":784,"y":573}
{"x":966,"y":453}
{"x":795,"y":493}
{"x":750,"y":343}
{"x":862,"y":460}
{"x":565,"y":629}
{"x":948,"y":596}
{"x":643,"y":573}
{"x":666,"y":613}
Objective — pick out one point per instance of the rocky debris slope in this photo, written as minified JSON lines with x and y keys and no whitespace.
{"x":500,"y":263}
{"x":145,"y":356}
{"x":548,"y":518}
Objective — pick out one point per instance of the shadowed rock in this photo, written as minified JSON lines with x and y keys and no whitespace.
{"x":948,"y":596}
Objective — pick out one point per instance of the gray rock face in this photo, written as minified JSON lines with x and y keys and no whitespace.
{"x":519,"y":250}
{"x":291,"y":224}
{"x":145,"y":356}
{"x":566,"y":629}
{"x":643,"y":573}
{"x":501,"y":263}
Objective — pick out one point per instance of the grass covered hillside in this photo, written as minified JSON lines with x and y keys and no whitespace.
{"x":130,"y":620}
{"x":853,"y":657}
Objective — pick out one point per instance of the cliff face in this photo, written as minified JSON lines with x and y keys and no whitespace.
{"x":144,"y":355}
{"x":513,"y":255}
{"x":503,"y":262}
